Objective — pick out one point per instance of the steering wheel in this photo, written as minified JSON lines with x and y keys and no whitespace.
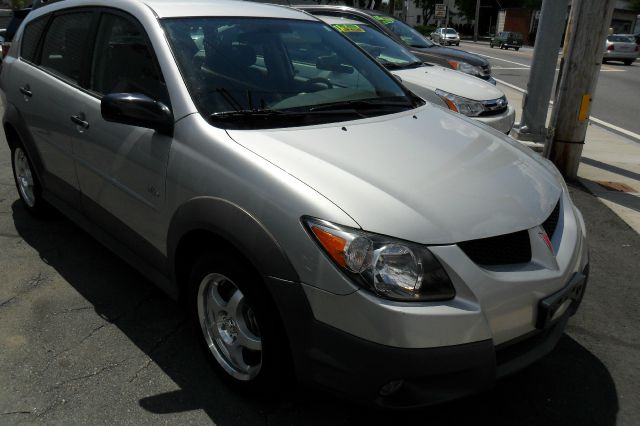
{"x":310,"y":85}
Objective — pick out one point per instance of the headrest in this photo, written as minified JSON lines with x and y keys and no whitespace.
{"x":242,"y":55}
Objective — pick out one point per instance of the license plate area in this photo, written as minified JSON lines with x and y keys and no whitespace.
{"x":554,"y":307}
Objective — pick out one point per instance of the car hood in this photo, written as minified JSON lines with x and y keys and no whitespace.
{"x":449,"y":53}
{"x":456,"y":82}
{"x":427,"y":175}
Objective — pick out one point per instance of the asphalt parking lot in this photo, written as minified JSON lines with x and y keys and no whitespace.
{"x":84,"y":339}
{"x":615,"y":102}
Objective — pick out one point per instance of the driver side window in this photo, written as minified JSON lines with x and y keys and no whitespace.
{"x":124,"y":62}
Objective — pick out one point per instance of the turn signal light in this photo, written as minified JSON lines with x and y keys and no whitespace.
{"x":333,"y":244}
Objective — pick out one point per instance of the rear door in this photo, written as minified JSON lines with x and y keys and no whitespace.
{"x":47,"y":84}
{"x":121,"y":168}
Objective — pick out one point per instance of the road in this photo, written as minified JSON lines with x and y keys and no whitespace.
{"x":84,"y":339}
{"x":617,"y":97}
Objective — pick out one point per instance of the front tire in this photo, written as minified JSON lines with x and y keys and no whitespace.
{"x":238,"y":324}
{"x":27,"y":182}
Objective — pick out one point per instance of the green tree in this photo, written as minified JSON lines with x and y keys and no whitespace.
{"x":634,"y":5}
{"x":20,"y":4}
{"x":427,"y":7}
{"x":467,"y":8}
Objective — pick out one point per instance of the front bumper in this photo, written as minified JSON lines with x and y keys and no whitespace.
{"x":502,"y":122}
{"x":393,"y":377}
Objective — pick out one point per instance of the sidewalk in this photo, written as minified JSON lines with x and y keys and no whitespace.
{"x":609,"y":169}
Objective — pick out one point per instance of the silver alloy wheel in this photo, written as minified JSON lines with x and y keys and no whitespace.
{"x":229,"y":326}
{"x":24,"y":177}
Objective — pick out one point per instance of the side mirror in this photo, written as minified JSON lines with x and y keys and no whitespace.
{"x":136,"y":109}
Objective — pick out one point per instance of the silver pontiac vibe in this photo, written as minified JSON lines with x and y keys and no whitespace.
{"x":316,"y":216}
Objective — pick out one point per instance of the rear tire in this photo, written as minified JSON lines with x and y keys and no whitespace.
{"x":27,"y":182}
{"x":240,"y":328}
{"x":491,"y":45}
{"x":517,"y":49}
{"x":628,"y":62}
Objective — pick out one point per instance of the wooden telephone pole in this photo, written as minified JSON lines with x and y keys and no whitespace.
{"x":589,"y":22}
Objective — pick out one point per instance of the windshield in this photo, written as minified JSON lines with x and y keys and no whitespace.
{"x":293,"y":72}
{"x":404,"y":31}
{"x":450,"y":31}
{"x":391,"y":54}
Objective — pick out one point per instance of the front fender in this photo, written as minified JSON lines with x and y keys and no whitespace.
{"x":235,"y":225}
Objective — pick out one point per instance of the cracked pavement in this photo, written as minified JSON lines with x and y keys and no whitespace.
{"x":84,"y":339}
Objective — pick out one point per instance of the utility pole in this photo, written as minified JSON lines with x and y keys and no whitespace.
{"x":475,"y":24}
{"x":589,"y":23}
{"x":535,"y":104}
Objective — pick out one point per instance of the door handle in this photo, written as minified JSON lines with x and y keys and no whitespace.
{"x":26,"y":90}
{"x":80,"y":121}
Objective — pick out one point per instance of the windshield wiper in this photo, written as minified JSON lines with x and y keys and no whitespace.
{"x":363,"y":104}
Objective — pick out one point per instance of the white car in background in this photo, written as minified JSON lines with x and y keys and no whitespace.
{"x":448,"y":88}
{"x":446,"y":36}
{"x":621,"y":47}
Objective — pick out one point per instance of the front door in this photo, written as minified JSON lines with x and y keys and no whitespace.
{"x":121,"y":168}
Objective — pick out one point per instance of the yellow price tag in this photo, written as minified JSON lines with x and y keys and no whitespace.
{"x":384,"y":19}
{"x":348,"y":28}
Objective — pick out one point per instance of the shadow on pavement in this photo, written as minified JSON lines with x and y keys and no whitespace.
{"x":570,"y":386}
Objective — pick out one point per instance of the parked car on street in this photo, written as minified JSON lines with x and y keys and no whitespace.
{"x":419,"y":45}
{"x":621,"y":47}
{"x":450,"y":89}
{"x":446,"y":36}
{"x":507,"y":39}
{"x":313,"y":214}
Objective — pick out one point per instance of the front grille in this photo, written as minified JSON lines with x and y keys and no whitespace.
{"x":494,"y":107}
{"x":501,"y":250}
{"x":551,"y":223}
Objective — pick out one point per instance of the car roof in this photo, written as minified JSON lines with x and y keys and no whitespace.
{"x":332,"y":20}
{"x":333,"y":7}
{"x":195,"y":8}
{"x":192,"y":8}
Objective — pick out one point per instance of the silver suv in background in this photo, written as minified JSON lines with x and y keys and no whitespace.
{"x":314,"y":215}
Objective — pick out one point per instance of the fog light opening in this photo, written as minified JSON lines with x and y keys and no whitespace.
{"x":391,"y":387}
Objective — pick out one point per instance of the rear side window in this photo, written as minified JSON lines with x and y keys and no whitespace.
{"x":31,"y":37}
{"x":64,"y":44}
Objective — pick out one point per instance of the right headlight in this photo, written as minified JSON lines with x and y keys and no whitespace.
{"x":466,"y":67}
{"x":464,"y":106}
{"x":393,"y":269}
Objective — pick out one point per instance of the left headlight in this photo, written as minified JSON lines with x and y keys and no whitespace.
{"x":392,"y":269}
{"x":466,"y":68}
{"x":464,"y":106}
